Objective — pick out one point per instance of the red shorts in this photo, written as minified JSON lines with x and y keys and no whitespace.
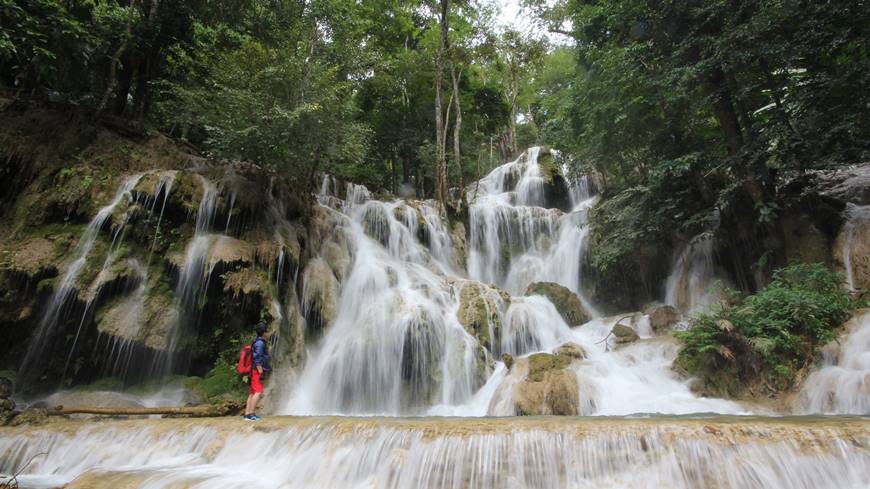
{"x":256,"y":382}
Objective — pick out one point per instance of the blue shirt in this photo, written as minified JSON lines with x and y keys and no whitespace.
{"x":260,"y":354}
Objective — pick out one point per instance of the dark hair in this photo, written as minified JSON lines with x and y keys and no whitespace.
{"x":261,"y":329}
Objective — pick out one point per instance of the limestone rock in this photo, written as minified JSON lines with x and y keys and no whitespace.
{"x":566,"y":302}
{"x":571,"y":349}
{"x":550,"y":386}
{"x":145,"y":316}
{"x":480,"y":310}
{"x":624,"y":334}
{"x":851,"y":249}
{"x":556,"y":190}
{"x":227,"y":251}
{"x":508,"y":360}
{"x":245,"y":282}
{"x":460,"y":245}
{"x":848,"y":185}
{"x":320,"y":292}
{"x":35,"y":416}
{"x":662,"y":317}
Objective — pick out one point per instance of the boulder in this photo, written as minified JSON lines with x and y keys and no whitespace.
{"x":662,"y":317}
{"x":847,"y":185}
{"x":572,"y":350}
{"x":549,"y":387}
{"x":36,"y":416}
{"x":566,"y":302}
{"x":508,"y":360}
{"x":624,"y":334}
{"x":480,"y":312}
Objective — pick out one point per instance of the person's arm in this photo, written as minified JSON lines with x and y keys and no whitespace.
{"x":259,"y":354}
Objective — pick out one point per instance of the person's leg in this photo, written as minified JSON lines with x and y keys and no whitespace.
{"x":256,"y":391}
{"x":248,"y":408}
{"x":254,"y":400}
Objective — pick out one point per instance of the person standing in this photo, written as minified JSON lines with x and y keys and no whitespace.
{"x":259,"y":369}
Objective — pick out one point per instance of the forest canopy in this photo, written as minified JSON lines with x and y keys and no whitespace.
{"x":687,"y":114}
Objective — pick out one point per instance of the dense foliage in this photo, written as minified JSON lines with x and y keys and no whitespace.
{"x":300,"y":86}
{"x":769,"y":336}
{"x":693,"y":113}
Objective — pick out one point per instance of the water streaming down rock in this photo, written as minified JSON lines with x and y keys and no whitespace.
{"x":193,"y":278}
{"x":516,"y":239}
{"x":117,"y":345}
{"x":64,"y":291}
{"x":842,"y":384}
{"x":858,"y":218}
{"x":690,"y":284}
{"x":395,"y":344}
{"x":543,"y":453}
{"x":405,"y":334}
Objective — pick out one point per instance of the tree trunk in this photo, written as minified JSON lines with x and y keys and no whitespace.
{"x":440,"y":127}
{"x":204,"y":410}
{"x":116,"y":60}
{"x":457,"y":128}
{"x":723,"y":110}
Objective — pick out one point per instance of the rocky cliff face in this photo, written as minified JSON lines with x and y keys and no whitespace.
{"x":127,"y":257}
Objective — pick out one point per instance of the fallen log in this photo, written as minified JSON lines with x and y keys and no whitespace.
{"x":201,"y":411}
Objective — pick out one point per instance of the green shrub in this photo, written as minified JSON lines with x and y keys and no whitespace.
{"x":220,"y":383}
{"x":770,"y":335}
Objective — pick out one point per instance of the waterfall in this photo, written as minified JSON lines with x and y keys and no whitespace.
{"x":193,"y":277}
{"x":389,"y":339}
{"x":689,"y":285}
{"x":842,"y":384}
{"x":534,"y":453}
{"x":395,"y":345}
{"x":515,"y":240}
{"x":856,"y":216}
{"x":65,"y":290}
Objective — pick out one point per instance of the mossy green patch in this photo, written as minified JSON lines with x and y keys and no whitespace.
{"x":542,"y":363}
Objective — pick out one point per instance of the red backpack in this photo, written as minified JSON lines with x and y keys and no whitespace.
{"x":246,"y":360}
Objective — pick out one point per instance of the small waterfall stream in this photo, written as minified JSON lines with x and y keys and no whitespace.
{"x":689,"y":286}
{"x":64,"y":290}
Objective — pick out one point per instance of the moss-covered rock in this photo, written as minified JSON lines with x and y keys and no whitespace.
{"x":624,"y":334}
{"x":662,"y":316}
{"x":556,"y":190}
{"x":320,"y":292}
{"x":36,"y":416}
{"x":460,"y":245}
{"x":480,"y":312}
{"x":852,"y":249}
{"x":566,"y":302}
{"x":549,"y":387}
{"x":571,"y":350}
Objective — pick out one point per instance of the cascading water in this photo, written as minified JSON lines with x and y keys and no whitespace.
{"x":842,"y":384}
{"x":193,"y":276}
{"x":516,"y":240}
{"x":689,"y":286}
{"x":54,"y":311}
{"x":393,"y":343}
{"x":534,"y":453}
{"x":857,"y":215}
